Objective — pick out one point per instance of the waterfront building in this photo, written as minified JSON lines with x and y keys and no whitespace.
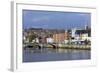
{"x":49,"y":40}
{"x":73,"y":32}
{"x":60,"y":37}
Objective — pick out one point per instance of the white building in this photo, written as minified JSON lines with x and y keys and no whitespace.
{"x":73,"y":32}
{"x":66,"y":41}
{"x":49,"y":40}
{"x":85,"y":37}
{"x":35,"y":40}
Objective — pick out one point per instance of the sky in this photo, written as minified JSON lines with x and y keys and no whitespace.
{"x":55,"y":19}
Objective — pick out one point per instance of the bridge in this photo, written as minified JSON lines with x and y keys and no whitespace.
{"x":40,"y":45}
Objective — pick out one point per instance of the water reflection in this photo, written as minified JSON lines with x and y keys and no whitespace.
{"x":52,"y":50}
{"x":50,"y":54}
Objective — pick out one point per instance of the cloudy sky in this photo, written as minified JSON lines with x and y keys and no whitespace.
{"x":55,"y":20}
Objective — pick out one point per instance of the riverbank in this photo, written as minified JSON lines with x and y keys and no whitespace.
{"x":80,"y":47}
{"x":56,"y":46}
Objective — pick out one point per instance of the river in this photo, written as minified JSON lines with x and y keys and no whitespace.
{"x":50,"y":54}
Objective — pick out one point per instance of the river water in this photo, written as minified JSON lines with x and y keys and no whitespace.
{"x":50,"y":54}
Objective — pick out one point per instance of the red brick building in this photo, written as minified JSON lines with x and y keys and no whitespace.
{"x":60,"y":37}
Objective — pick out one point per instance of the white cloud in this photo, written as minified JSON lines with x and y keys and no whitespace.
{"x":82,"y":14}
{"x":39,"y":19}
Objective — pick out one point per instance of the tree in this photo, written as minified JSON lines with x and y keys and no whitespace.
{"x":31,"y":36}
